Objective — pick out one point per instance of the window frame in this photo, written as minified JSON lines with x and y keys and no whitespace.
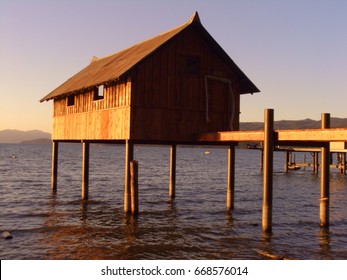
{"x":70,"y":100}
{"x":99,"y":93}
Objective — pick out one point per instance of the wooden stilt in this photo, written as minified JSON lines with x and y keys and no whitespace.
{"x":172,"y":185}
{"x":286,"y":169}
{"x":55,"y":146}
{"x":324,"y":182}
{"x":262,"y":159}
{"x":304,"y":162}
{"x":316,"y":162}
{"x":231,"y":177}
{"x":85,"y":169}
{"x":129,"y":156}
{"x":134,"y":187}
{"x":339,"y":162}
{"x":268,"y":169}
{"x":342,"y":162}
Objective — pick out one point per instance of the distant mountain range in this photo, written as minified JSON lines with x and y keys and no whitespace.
{"x":40,"y":137}
{"x":300,"y":124}
{"x":18,"y":136}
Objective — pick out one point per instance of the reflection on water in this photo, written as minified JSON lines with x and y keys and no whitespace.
{"x":324,"y":241}
{"x":195,"y":225}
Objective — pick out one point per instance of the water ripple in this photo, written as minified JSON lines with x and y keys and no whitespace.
{"x":195,"y":225}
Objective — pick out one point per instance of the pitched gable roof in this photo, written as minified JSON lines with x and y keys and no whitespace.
{"x":112,"y":67}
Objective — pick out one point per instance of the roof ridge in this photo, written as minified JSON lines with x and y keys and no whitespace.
{"x":112,"y":67}
{"x":194,"y":18}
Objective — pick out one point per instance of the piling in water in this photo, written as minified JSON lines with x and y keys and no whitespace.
{"x":129,"y":156}
{"x":324,"y":183}
{"x":268,"y":169}
{"x":172,"y":184}
{"x":231,"y":177}
{"x":85,"y":169}
{"x":134,"y":187}
{"x":55,"y":145}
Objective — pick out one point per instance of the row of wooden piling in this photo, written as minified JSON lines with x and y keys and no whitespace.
{"x":268,"y":136}
{"x":131,"y":204}
{"x":268,"y":149}
{"x":291,"y":163}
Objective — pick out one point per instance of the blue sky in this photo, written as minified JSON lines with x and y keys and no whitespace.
{"x":294,"y":51}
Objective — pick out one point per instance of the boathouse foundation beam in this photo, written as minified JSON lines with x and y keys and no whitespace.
{"x":269,"y":142}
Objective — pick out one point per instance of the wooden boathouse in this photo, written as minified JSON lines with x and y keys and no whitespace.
{"x":165,"y":90}
{"x":169,"y":88}
{"x":179,"y":87}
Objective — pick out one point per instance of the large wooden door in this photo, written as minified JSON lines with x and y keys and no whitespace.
{"x":219,"y":109}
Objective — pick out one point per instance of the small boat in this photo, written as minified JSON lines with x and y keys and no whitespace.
{"x":207,"y":152}
{"x":293,"y":167}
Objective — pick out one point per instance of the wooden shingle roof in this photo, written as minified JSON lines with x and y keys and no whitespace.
{"x":105,"y":69}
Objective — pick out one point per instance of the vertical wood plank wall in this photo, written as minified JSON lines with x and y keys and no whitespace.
{"x":104,"y":119}
{"x":168,"y":104}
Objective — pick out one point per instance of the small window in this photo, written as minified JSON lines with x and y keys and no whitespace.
{"x":70,"y":100}
{"x":189,"y":65}
{"x":99,"y":92}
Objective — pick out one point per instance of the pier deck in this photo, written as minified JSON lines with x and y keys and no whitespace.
{"x":281,"y":137}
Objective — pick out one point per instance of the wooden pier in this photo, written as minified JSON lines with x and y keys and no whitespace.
{"x":303,"y":138}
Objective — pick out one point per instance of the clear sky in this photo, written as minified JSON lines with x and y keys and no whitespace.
{"x":295,"y":51}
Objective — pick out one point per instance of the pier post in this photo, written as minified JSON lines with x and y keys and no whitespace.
{"x":54,"y":175}
{"x":316,"y":162}
{"x":85,"y":169}
{"x":286,"y":167}
{"x":324,"y":182}
{"x":304,"y":161}
{"x":172,"y":184}
{"x":342,"y":163}
{"x":339,"y":162}
{"x":268,"y":169}
{"x":134,"y":187}
{"x":231,"y":177}
{"x":261,"y":158}
{"x":129,"y":156}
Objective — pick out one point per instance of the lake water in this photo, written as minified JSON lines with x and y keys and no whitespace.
{"x":195,"y":226}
